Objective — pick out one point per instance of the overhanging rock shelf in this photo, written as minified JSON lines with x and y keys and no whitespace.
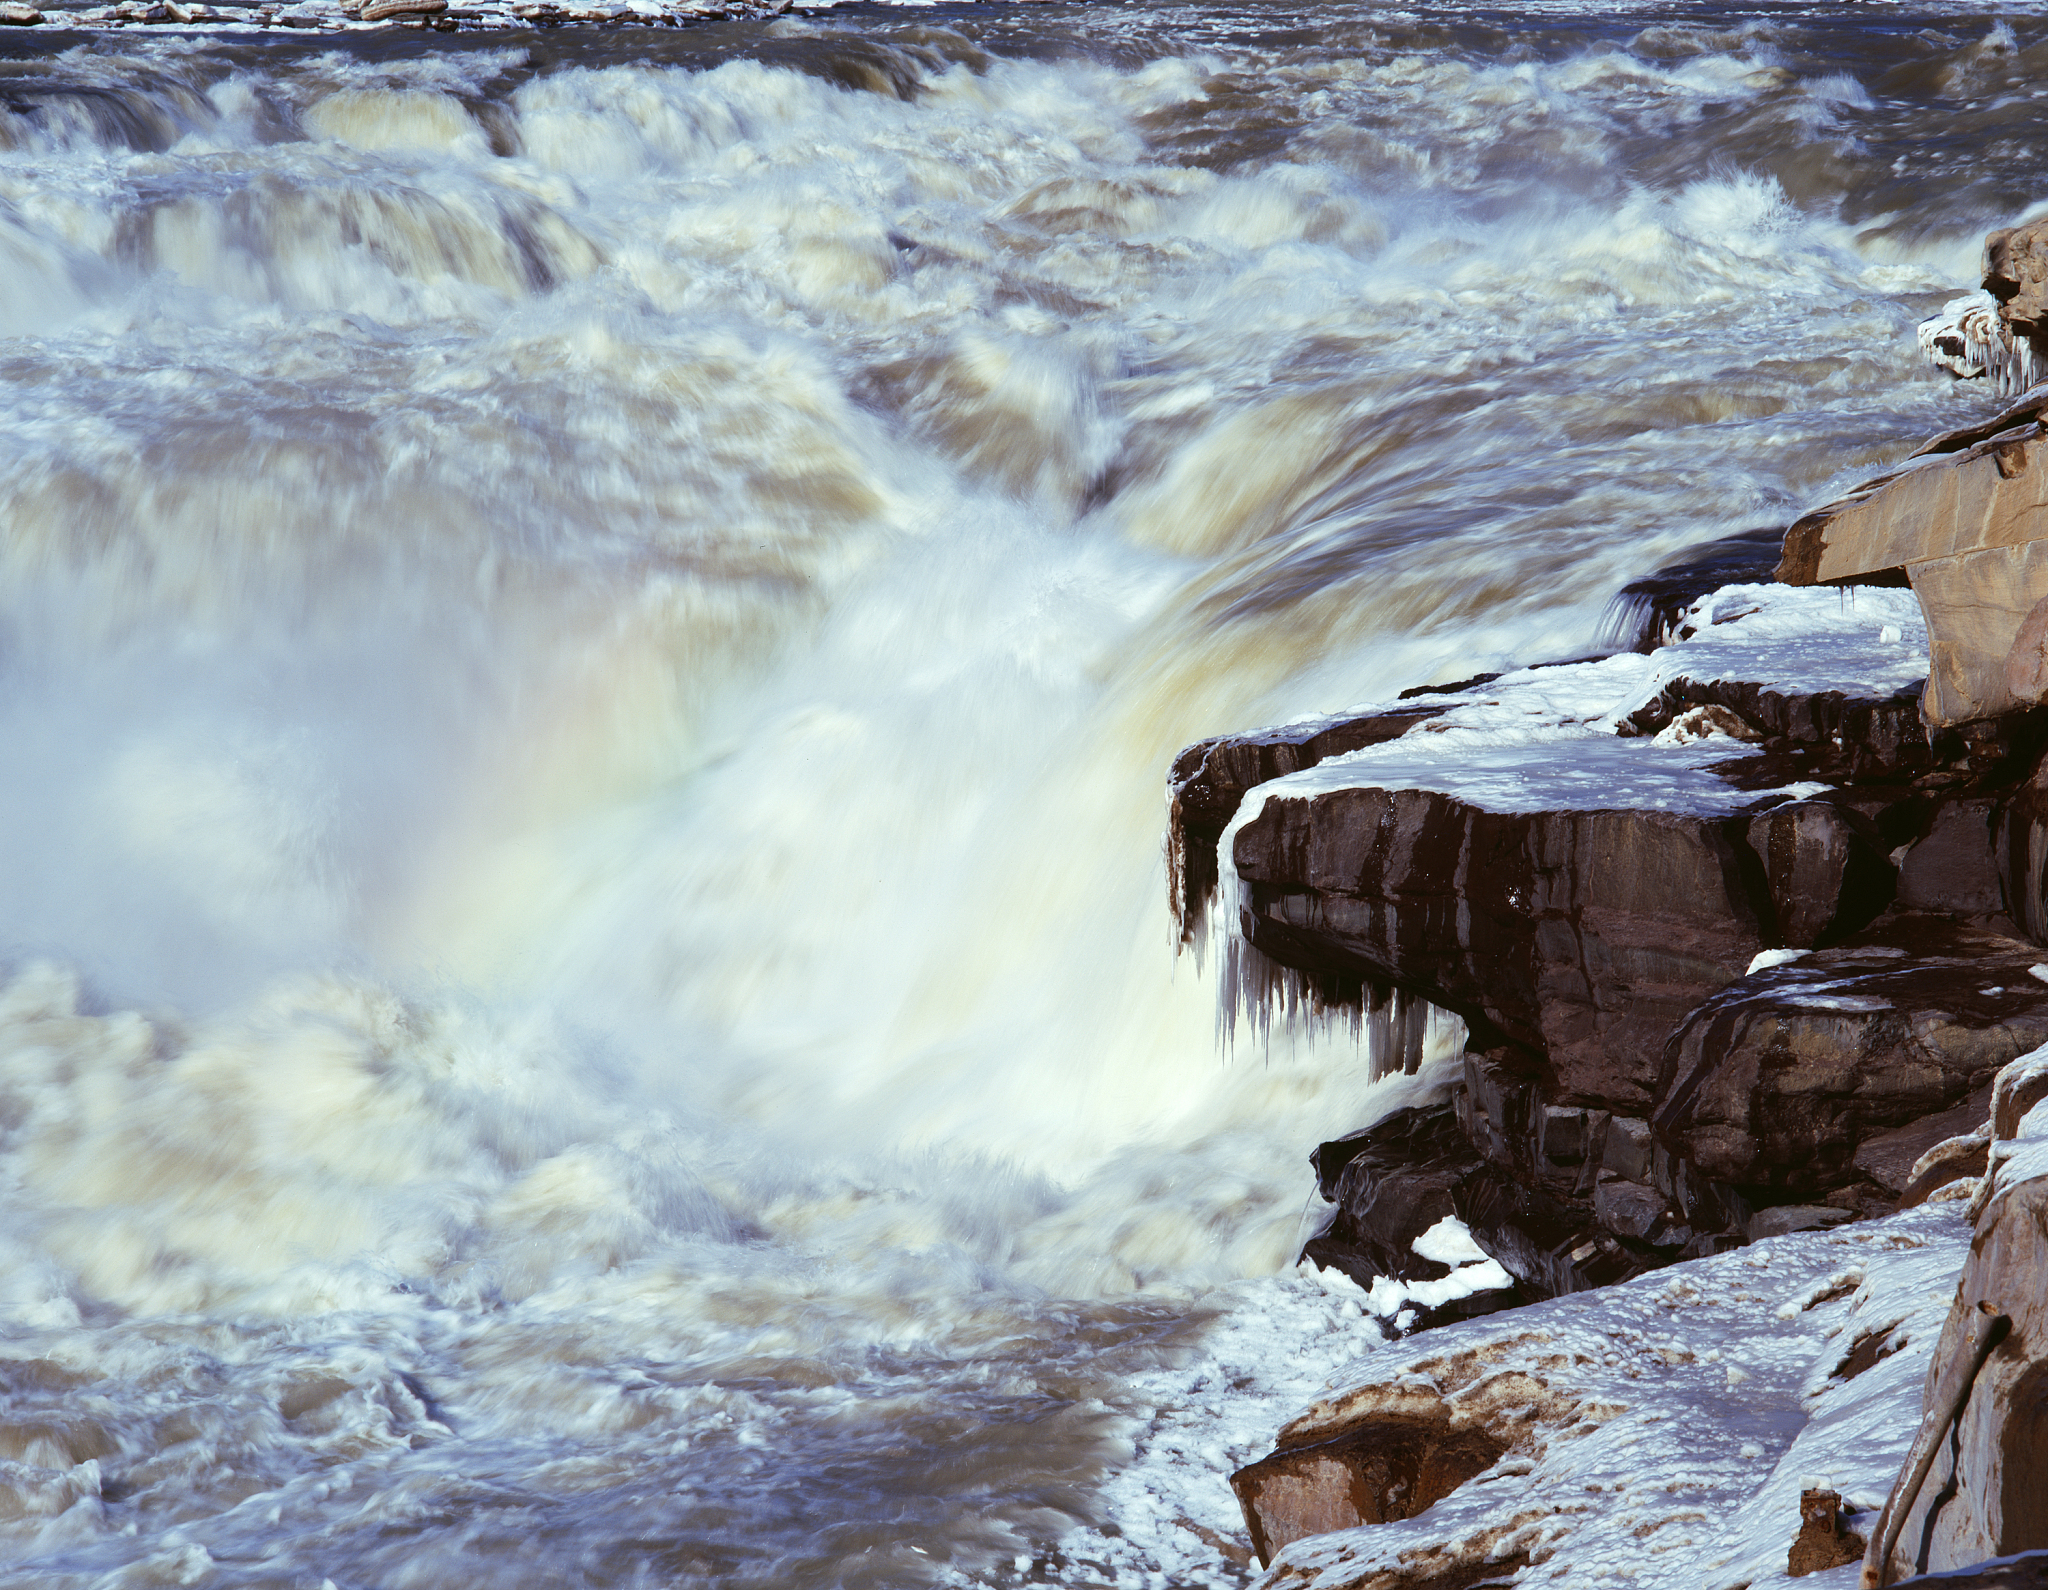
{"x":1746,"y":929}
{"x":1593,"y":865}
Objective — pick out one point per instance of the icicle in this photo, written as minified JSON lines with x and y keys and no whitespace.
{"x":1969,"y":338}
{"x":1390,"y":1024}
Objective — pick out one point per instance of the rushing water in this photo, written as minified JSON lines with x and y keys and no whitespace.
{"x":590,"y":628}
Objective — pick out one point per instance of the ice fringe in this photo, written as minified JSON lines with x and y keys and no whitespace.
{"x":1969,"y":339}
{"x":1391,"y":1024}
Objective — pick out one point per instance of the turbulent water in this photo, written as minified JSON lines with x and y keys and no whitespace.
{"x":590,"y":629}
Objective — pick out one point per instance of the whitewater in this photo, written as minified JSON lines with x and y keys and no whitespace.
{"x":591,"y":627}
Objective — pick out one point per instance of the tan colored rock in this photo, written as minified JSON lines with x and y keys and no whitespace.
{"x":386,"y":10}
{"x":1389,"y":1450}
{"x":19,"y":16}
{"x":2019,"y":1087}
{"x":2016,"y":274}
{"x":1967,"y":530}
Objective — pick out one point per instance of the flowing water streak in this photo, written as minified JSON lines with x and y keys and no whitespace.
{"x":592,"y":625}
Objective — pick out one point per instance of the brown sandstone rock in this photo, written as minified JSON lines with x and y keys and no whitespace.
{"x":1387,"y":1469}
{"x":2016,"y":274}
{"x":1975,"y":1482}
{"x":1821,"y":1543}
{"x":1985,"y":1493}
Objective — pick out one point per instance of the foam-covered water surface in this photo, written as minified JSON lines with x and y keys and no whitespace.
{"x":591,"y":624}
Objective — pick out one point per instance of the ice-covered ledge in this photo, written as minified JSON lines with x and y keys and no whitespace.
{"x":1633,"y":877}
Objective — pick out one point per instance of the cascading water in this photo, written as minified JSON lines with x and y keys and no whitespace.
{"x":593,"y":625}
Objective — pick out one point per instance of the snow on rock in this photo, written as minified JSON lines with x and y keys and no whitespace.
{"x":1547,"y":738}
{"x":1660,"y":1431}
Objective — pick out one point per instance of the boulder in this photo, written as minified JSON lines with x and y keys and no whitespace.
{"x":1420,"y":1167}
{"x":1821,"y":1543}
{"x":1383,"y":1469}
{"x":1391,"y":1183}
{"x":1581,"y":937}
{"x":1954,"y":867}
{"x":2015,"y":269}
{"x":1966,"y":528}
{"x":1894,"y":1159}
{"x":1958,"y":1160}
{"x":1774,"y":1083}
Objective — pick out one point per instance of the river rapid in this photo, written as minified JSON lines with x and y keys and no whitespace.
{"x":591,"y":625}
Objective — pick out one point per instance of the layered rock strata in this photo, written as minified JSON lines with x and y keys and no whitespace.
{"x":1691,"y":1023}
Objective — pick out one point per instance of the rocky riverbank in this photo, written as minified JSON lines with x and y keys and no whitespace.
{"x":1746,"y":928}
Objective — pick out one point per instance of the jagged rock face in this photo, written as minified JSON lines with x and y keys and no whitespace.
{"x":1771,"y":1085}
{"x":1582,"y":937}
{"x":2016,"y":274}
{"x":1394,"y":1181}
{"x":1581,"y":946}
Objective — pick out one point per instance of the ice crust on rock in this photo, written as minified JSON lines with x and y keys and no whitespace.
{"x":1699,"y":1401}
{"x":1545,"y":738}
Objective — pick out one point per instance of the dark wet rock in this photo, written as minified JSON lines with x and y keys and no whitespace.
{"x":1391,"y":1183}
{"x":2023,"y":1571}
{"x":1891,"y":1159}
{"x":1771,"y":1086}
{"x":1580,"y":937}
{"x":1954,"y":868}
{"x":1401,"y":1177}
{"x":1209,"y":780}
{"x":1865,"y":737}
{"x":1648,"y":612}
{"x":1827,"y":868}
